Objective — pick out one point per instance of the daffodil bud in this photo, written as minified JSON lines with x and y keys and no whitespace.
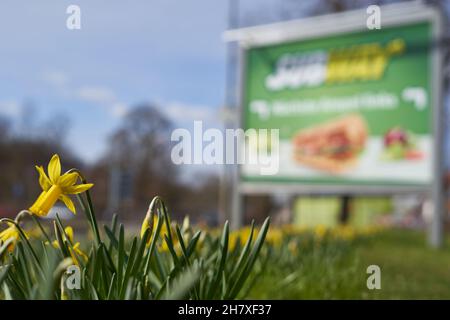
{"x":148,"y":223}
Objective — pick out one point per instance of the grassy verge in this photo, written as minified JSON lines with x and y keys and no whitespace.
{"x":337,"y":270}
{"x":410,"y":269}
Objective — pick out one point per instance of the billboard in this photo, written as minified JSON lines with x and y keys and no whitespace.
{"x":353,"y":108}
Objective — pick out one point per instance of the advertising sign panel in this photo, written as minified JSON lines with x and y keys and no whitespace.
{"x":352,"y":109}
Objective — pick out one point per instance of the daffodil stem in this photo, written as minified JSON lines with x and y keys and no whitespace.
{"x":94,"y":219}
{"x":89,"y":209}
{"x":91,"y":217}
{"x":153,"y":243}
{"x":66,"y":241}
{"x":41,"y":228}
{"x":36,"y":221}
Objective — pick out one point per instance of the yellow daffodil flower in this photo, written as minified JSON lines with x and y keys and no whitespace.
{"x":274,"y":237}
{"x":79,"y":252}
{"x":239,"y":237}
{"x":148,"y":223}
{"x":56,"y":187}
{"x":320,"y":232}
{"x":76,"y":246}
{"x":10,"y":233}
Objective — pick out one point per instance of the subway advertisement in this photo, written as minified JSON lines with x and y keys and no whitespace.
{"x":352,"y":108}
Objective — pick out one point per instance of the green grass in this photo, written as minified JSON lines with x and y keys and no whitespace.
{"x":409,"y":270}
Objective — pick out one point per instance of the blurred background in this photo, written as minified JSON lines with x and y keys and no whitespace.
{"x":107,"y":97}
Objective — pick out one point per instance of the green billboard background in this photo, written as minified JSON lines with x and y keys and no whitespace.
{"x":382,"y":100}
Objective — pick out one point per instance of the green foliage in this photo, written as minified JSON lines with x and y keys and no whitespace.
{"x":332,"y":269}
{"x":305,"y":266}
{"x":168,"y":262}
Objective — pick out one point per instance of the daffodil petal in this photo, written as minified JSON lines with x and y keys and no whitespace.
{"x":69,"y":232}
{"x":44,"y":181}
{"x":68,"y":202}
{"x":78,"y":188}
{"x":9,"y":235}
{"x":68,"y":179}
{"x":55,"y":244}
{"x":80,"y":252}
{"x":54,"y":169}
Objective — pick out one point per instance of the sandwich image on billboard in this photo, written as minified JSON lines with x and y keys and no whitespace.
{"x":333,"y":146}
{"x":351,"y":108}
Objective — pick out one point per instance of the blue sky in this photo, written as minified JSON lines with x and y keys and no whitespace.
{"x":169,"y":52}
{"x":164,"y":51}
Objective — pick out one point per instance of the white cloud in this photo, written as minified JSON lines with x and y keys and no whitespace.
{"x":100,"y":96}
{"x":119,"y":109}
{"x":182,"y":113}
{"x":96,"y":94}
{"x":10,"y":108}
{"x":55,"y":78}
{"x":105,"y":98}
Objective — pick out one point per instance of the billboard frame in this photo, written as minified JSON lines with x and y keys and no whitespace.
{"x":392,"y":15}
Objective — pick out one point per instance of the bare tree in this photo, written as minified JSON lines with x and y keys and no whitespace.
{"x":139,"y":156}
{"x":4,"y":128}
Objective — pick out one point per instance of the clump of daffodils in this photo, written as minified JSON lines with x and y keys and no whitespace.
{"x":74,"y":250}
{"x":287,"y":235}
{"x":165,"y":261}
{"x":55,"y":186}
